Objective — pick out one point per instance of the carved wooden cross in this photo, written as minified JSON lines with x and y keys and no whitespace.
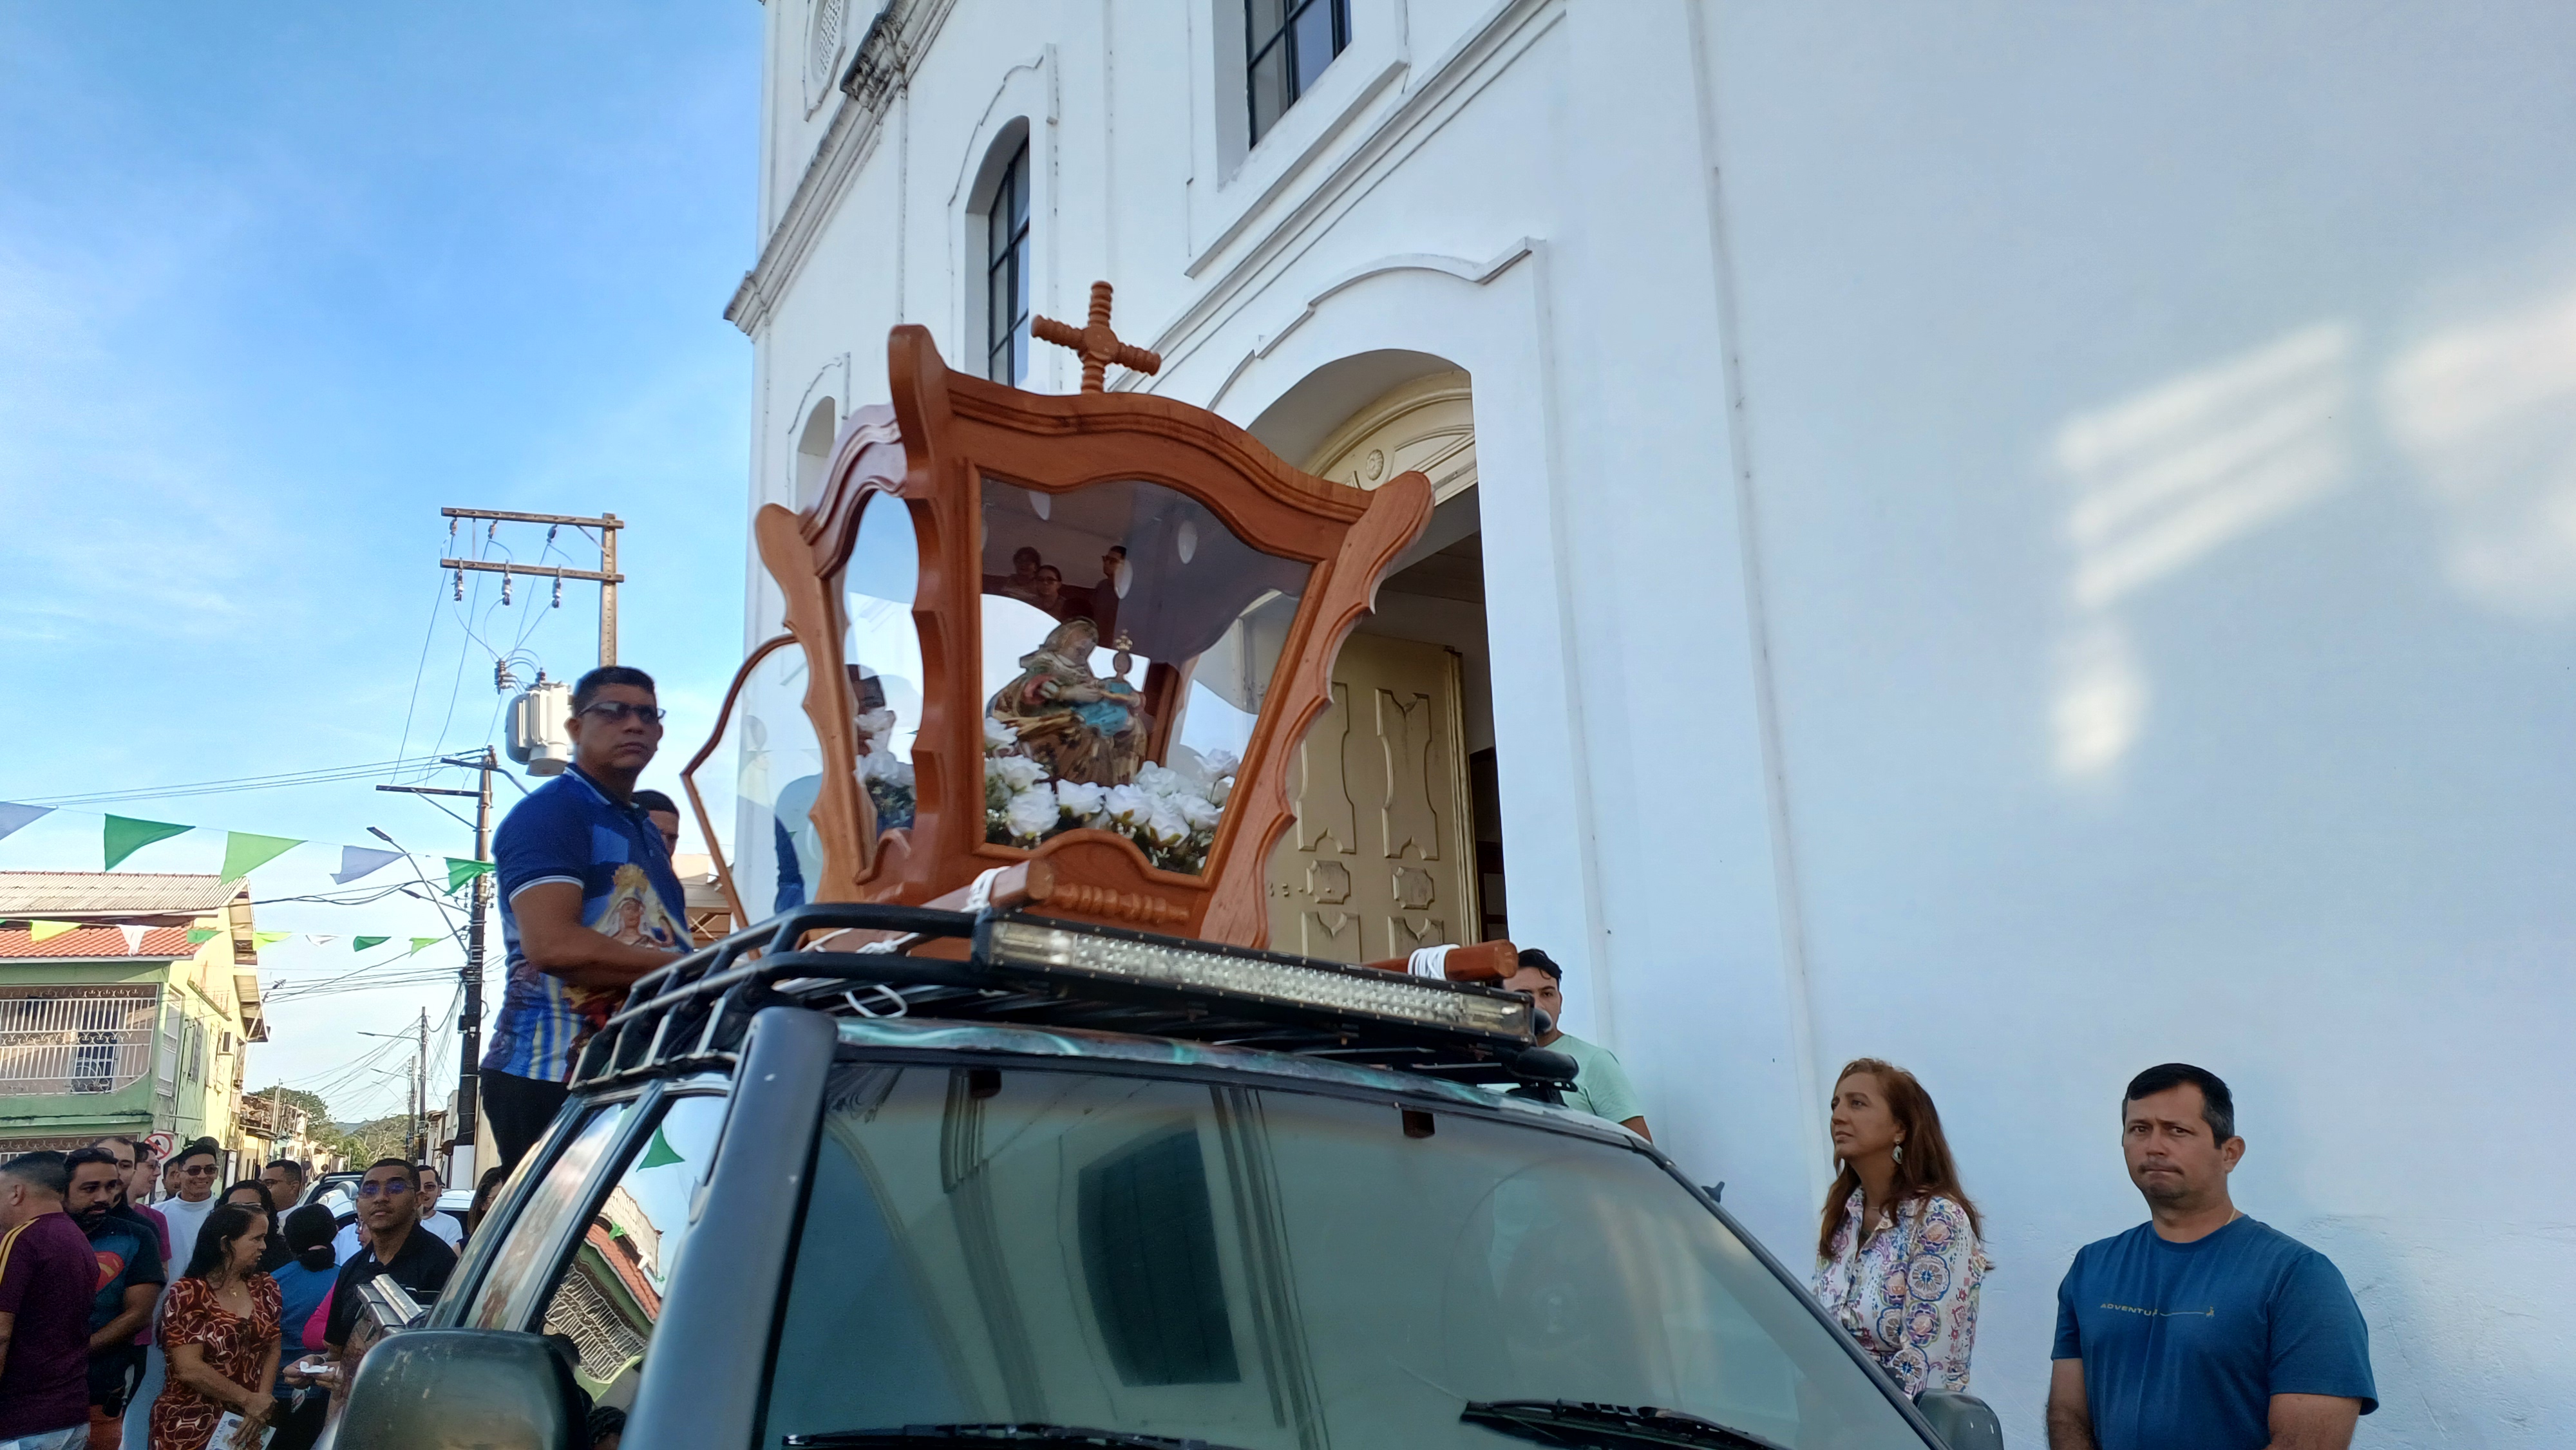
{"x":1097,"y":346}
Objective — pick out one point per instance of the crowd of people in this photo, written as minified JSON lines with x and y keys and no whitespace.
{"x":161,"y":1322}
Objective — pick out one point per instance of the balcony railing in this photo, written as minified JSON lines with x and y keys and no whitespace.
{"x":82,"y":1040}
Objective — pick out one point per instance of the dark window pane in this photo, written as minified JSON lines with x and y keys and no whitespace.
{"x":997,"y":332}
{"x":1270,"y":94}
{"x":1314,"y":42}
{"x":1261,"y":22}
{"x":1020,"y":190}
{"x":1149,"y":1255}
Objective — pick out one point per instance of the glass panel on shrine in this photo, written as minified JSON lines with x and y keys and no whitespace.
{"x":1129,"y":639}
{"x":882,"y":655}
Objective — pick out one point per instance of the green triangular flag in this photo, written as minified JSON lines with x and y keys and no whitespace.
{"x":47,"y":930}
{"x":364,"y":942}
{"x":125,"y":836}
{"x":659,"y":1153}
{"x":421,"y":941}
{"x":200,"y":935}
{"x":245,"y":853}
{"x":259,"y":939}
{"x":459,"y":872}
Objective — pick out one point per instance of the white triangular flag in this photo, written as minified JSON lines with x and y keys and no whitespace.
{"x":133,"y":938}
{"x":320,"y":941}
{"x":357,"y":861}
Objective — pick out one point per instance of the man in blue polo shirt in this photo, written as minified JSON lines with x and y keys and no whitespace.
{"x":589,"y":903}
{"x":2201,"y":1327}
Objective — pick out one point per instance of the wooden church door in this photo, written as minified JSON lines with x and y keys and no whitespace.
{"x":1382,"y":856}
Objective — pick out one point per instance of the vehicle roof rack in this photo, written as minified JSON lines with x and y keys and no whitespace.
{"x":1022,"y":969}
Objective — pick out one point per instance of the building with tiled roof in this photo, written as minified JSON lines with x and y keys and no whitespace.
{"x":128,"y":1003}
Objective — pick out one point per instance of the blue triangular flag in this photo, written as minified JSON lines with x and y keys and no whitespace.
{"x":12,"y":816}
{"x":357,"y":861}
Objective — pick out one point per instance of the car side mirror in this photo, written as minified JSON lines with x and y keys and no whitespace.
{"x":428,"y":1389}
{"x":1962,"y":1421}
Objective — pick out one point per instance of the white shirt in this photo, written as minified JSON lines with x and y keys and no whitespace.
{"x":185,"y":1219}
{"x":443,"y":1226}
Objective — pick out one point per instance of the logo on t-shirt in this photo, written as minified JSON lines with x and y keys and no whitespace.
{"x":110,"y":1264}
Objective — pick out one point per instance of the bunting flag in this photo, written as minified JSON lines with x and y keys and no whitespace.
{"x":47,"y":930}
{"x":357,"y":861}
{"x":13,"y":816}
{"x":245,"y":853}
{"x":133,"y":938}
{"x":320,"y":941}
{"x":200,"y":935}
{"x":261,"y":940}
{"x":659,"y":1153}
{"x":125,"y":835}
{"x":361,"y":944}
{"x":422,"y":941}
{"x":459,"y":872}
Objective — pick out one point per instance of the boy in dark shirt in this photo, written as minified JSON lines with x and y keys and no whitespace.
{"x":47,"y":1277}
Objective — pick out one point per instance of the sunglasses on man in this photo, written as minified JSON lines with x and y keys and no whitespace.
{"x":199,"y":1171}
{"x":390,"y":1188}
{"x":612,"y":711}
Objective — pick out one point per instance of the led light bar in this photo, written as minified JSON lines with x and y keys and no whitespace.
{"x":1352,"y":991}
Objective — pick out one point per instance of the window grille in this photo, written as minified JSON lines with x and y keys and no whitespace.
{"x":1006,"y":275}
{"x":59,"y":1040}
{"x":1287,"y":44}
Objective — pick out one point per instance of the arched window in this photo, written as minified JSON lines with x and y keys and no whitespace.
{"x":814,"y":452}
{"x":1006,"y":274}
{"x":1286,"y":45}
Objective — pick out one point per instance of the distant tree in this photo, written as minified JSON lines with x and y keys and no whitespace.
{"x":311,"y":1103}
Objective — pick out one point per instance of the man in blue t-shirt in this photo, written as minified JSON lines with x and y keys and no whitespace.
{"x":589,"y":903}
{"x":130,"y":1275}
{"x":2202,"y":1327}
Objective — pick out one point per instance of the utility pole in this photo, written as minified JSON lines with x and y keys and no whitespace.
{"x":606,"y":575}
{"x":420,"y":1092}
{"x":469,"y":1027}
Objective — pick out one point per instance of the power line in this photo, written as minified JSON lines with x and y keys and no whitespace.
{"x":320,"y":775}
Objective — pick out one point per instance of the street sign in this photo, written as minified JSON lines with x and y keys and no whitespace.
{"x":163,"y":1144}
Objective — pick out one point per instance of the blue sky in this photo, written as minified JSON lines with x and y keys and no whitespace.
{"x":276,"y":283}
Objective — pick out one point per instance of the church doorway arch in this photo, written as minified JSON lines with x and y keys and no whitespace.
{"x":1397,"y":842}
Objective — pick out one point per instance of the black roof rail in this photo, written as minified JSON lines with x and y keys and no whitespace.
{"x":1014,"y":968}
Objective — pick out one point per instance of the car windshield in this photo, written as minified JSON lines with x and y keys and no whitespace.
{"x":1269,"y":1269}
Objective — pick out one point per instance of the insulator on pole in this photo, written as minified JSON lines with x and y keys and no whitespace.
{"x":460,"y":583}
{"x":558,"y":591}
{"x":505,"y":586}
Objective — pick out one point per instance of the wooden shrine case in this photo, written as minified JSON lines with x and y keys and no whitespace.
{"x":1123,"y":613}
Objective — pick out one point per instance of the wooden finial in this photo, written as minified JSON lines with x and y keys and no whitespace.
{"x":1096,"y":344}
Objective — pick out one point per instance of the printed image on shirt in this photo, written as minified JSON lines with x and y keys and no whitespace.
{"x":633,"y":914}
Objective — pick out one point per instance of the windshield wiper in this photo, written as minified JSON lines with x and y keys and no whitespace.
{"x":918,"y":1437}
{"x":1580,"y":1422}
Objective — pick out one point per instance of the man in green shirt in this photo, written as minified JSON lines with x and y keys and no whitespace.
{"x":1601,"y":1085}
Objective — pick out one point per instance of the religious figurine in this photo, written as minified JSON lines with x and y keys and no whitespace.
{"x":1078,"y":726}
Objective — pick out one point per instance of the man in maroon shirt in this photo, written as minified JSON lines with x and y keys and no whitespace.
{"x":47,"y":1278}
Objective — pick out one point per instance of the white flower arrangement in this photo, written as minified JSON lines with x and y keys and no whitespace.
{"x":887,"y":780}
{"x":1171,"y":812}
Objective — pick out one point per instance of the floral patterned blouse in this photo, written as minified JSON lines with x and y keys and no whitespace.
{"x":235,"y":1347}
{"x":1909,"y":1294}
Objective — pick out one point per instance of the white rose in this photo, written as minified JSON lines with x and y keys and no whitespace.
{"x":1157,"y":780}
{"x":1222,"y":763}
{"x":1218,"y":789}
{"x":1166,"y":826}
{"x":1018,"y":771}
{"x":1126,"y":805}
{"x":1202,"y":815}
{"x":1032,"y":813}
{"x":998,"y":736}
{"x":1084,"y":801}
{"x":876,"y":724}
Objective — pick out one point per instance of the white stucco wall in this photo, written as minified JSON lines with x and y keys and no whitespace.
{"x":2133,"y":619}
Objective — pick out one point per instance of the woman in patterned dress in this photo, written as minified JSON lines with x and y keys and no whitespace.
{"x":1899,"y":1258}
{"x":219,"y":1330}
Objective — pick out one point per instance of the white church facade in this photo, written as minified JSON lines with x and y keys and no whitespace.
{"x":2028,"y":544}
